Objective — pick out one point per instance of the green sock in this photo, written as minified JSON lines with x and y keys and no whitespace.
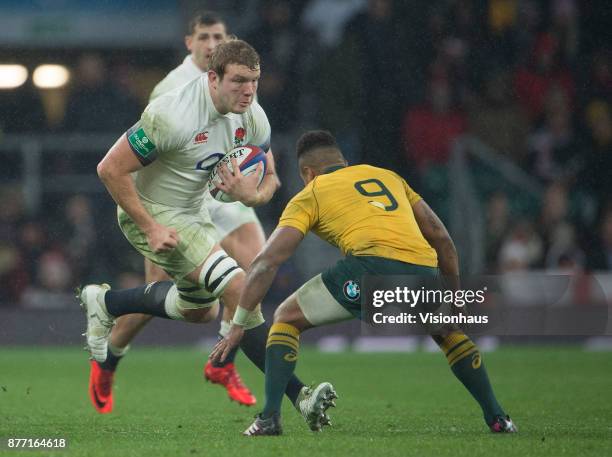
{"x":281,"y":358}
{"x":466,"y":363}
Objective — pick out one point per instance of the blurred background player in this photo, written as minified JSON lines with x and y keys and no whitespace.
{"x":238,"y":229}
{"x":384,"y":228}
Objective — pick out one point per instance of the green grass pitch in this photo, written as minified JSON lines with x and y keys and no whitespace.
{"x":390,"y":404}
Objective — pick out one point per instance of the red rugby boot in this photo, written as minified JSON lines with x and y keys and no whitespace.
{"x":101,"y":388}
{"x":228,"y":377}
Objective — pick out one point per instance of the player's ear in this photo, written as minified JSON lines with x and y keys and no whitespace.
{"x":213,"y":78}
{"x":188,"y":41}
{"x":307,"y":174}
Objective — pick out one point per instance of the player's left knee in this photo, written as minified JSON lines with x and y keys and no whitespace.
{"x":279,"y":316}
{"x":288,"y":312}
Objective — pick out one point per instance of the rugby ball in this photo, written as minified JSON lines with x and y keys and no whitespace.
{"x":247,"y":158}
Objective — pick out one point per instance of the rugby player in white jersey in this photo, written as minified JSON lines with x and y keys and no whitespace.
{"x":238,"y":228}
{"x":161,"y":210}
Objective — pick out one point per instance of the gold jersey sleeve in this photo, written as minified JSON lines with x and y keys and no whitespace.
{"x":413,"y":197}
{"x":301,"y":211}
{"x":363,"y":210}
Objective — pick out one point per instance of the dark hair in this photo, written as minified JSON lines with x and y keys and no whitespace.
{"x":233,"y":52}
{"x":315,"y":139}
{"x":204,"y":18}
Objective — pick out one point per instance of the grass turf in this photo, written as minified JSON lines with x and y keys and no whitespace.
{"x":389,"y":404}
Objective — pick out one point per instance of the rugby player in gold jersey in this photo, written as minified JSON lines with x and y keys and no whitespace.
{"x":381,"y":226}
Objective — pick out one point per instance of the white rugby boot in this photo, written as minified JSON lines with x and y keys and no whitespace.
{"x":99,"y":322}
{"x":313,"y":402}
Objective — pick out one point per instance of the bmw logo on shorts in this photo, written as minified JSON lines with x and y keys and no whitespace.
{"x":351,"y":290}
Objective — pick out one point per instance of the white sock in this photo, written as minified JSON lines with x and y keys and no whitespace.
{"x":171,"y":304}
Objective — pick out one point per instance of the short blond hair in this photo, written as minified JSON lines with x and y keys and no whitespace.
{"x":233,"y":52}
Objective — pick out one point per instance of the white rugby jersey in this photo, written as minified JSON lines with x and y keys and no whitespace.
{"x":185,"y":72}
{"x":181,"y":137}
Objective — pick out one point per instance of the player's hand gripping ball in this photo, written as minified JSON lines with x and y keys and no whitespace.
{"x":247,"y":158}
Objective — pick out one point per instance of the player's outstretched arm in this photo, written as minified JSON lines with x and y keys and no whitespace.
{"x":280,"y":246}
{"x":437,"y":236}
{"x":114,"y":171}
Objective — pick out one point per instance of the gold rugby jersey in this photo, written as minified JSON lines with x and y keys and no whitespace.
{"x":363,"y":210}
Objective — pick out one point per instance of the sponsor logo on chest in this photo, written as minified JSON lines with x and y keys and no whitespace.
{"x":209,"y":146}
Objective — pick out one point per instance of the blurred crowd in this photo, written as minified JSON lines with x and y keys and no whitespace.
{"x":397,"y":82}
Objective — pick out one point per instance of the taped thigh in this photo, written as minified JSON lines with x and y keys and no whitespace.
{"x":217,"y":272}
